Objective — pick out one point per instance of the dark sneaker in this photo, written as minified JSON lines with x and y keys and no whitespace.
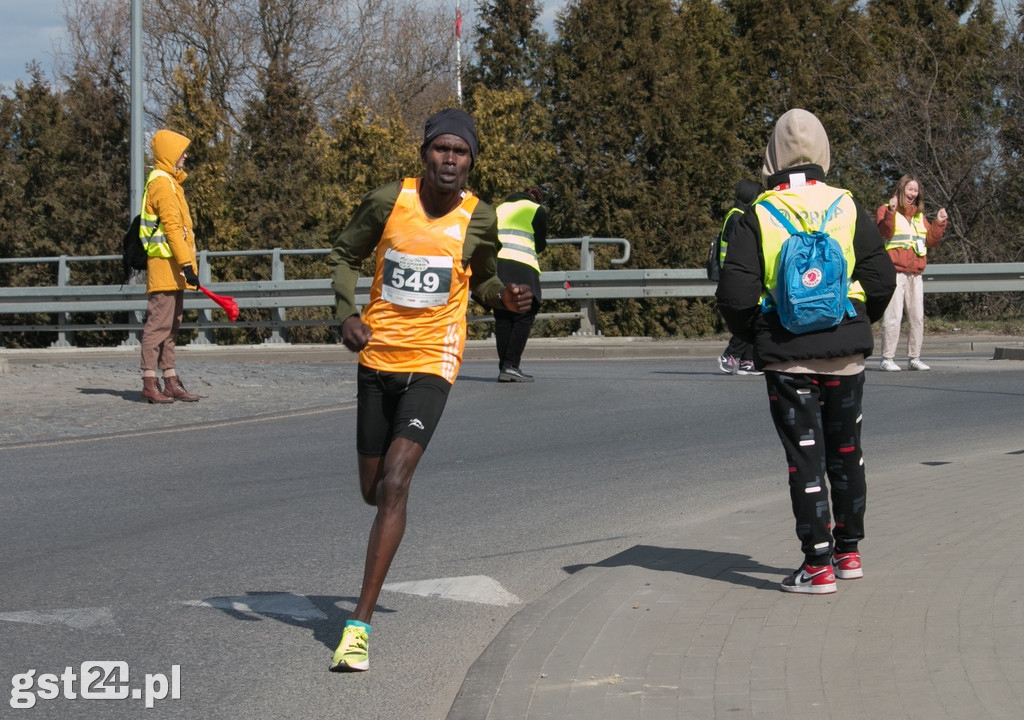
{"x":513,"y":374}
{"x":729,"y":364}
{"x":847,"y":565}
{"x":811,"y":580}
{"x":747,"y":368}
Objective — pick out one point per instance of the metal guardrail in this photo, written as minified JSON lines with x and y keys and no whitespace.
{"x":585,"y":286}
{"x":277,"y":295}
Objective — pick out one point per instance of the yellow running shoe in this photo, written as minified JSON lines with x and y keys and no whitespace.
{"x":352,"y":651}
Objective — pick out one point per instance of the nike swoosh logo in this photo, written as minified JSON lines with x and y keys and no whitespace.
{"x":805,"y":577}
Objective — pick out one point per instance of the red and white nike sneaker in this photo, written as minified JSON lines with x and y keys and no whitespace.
{"x":811,"y":580}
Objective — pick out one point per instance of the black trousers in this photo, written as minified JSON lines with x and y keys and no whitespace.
{"x":818,"y":419}
{"x":511,"y":331}
{"x":739,"y":349}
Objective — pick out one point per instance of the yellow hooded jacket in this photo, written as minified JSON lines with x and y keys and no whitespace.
{"x":165,"y":198}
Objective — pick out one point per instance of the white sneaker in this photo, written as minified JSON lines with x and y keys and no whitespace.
{"x":889,"y":365}
{"x":916,"y":364}
{"x":729,"y":364}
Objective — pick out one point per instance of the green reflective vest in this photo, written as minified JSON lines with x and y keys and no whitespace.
{"x":151,"y":230}
{"x":723,"y":244}
{"x":515,"y":230}
{"x":805,"y":207}
{"x":909,"y":234}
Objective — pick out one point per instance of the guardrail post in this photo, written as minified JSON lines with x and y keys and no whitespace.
{"x":278,"y":334}
{"x":588,"y":316}
{"x":204,"y":336}
{"x":64,"y":339}
{"x":135,"y":317}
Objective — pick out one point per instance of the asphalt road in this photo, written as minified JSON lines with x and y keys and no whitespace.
{"x":231,"y":547}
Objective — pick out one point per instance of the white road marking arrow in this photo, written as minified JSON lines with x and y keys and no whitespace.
{"x":471,"y":588}
{"x":93,"y":619}
{"x":285,"y":604}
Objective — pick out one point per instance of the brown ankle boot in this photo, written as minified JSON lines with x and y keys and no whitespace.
{"x":174,"y":388}
{"x":151,"y":391}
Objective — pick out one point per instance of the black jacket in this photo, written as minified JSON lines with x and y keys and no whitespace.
{"x":742,"y":281}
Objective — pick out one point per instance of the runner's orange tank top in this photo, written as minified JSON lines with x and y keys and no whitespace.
{"x":420,"y":290}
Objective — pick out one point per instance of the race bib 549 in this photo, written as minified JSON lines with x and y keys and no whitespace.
{"x":416,"y":281}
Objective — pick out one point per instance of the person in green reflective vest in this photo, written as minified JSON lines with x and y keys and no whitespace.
{"x":908,"y":235}
{"x":738,"y":357}
{"x":523,"y":231}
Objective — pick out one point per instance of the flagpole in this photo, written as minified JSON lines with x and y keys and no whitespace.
{"x":458,"y":51}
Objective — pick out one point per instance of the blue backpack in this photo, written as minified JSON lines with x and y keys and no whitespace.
{"x":811,"y":283}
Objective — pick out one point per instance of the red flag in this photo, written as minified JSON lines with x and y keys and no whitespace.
{"x":225,"y":301}
{"x":458,"y":23}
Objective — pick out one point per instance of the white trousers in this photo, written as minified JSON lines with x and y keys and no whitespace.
{"x":910,"y":295}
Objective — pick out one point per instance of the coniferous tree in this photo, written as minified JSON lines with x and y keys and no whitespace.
{"x":1011,"y":142}
{"x":94,"y":171}
{"x":508,"y":47}
{"x":365,"y":150}
{"x":32,"y":212}
{"x":202,"y":119}
{"x":800,"y":55}
{"x":646,"y":137}
{"x":503,"y":96}
{"x":276,"y":161}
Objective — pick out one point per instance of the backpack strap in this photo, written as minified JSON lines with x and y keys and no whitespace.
{"x":828,"y":213}
{"x":851,"y":311}
{"x":777,"y":214}
{"x":768,"y":302}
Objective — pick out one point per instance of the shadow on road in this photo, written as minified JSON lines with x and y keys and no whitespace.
{"x":727,"y":567}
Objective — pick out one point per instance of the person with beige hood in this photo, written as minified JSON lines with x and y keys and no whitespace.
{"x":166,"y":232}
{"x":815,"y":380}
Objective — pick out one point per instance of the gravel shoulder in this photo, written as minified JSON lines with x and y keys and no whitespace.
{"x":47,"y":401}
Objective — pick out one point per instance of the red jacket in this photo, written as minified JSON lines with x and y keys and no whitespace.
{"x":904,"y":259}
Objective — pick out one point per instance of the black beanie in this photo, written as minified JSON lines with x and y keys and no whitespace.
{"x":452,"y":122}
{"x":747,"y":191}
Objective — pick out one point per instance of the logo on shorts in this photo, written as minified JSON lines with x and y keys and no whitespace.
{"x":415,"y":422}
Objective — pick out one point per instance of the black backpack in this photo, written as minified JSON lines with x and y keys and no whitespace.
{"x":711,"y":264}
{"x":133,"y":254}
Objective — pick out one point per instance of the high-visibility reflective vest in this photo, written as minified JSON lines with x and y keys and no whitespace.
{"x":909,"y":234}
{"x":151,"y":230}
{"x":723,"y":244}
{"x":515,"y":230}
{"x":806,"y":206}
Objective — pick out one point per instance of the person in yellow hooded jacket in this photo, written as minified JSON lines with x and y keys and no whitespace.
{"x":166,"y":232}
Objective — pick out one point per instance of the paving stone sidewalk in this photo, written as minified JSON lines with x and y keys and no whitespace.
{"x":695,"y":626}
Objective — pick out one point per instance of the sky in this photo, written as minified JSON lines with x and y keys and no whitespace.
{"x":29,"y":29}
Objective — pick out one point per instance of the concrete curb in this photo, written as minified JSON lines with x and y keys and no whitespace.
{"x":997,"y":347}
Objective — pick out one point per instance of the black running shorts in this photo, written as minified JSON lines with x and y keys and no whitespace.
{"x":392,"y":405}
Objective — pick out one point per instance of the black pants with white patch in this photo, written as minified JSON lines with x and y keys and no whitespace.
{"x":818,"y":419}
